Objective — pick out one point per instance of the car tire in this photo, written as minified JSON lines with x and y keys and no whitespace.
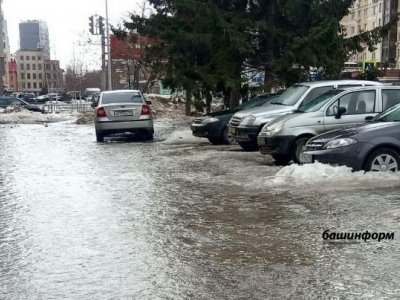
{"x":248,"y":146}
{"x":281,"y":159}
{"x":215,"y":141}
{"x":149,"y":136}
{"x":298,"y":147}
{"x":99,"y":137}
{"x":383,"y":160}
{"x":226,"y":139}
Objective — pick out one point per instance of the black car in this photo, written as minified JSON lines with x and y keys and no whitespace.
{"x":12,"y":101}
{"x":214,"y":125}
{"x":371,"y":147}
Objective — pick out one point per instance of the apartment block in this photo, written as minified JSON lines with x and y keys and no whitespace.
{"x":366,"y":15}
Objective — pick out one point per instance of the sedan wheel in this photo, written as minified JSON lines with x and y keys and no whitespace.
{"x":383,"y":160}
{"x":228,"y":139}
{"x":299,"y":156}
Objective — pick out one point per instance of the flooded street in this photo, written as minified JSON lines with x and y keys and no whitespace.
{"x":178,"y":218}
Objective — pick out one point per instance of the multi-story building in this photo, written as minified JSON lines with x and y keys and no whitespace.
{"x":366,"y":15}
{"x":12,"y":75}
{"x":35,"y":73}
{"x":54,"y":76}
{"x":30,"y":69}
{"x":2,"y":50}
{"x":33,"y":36}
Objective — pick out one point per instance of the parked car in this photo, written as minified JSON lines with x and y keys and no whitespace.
{"x":244,"y":126}
{"x":214,"y":126}
{"x":374,"y":146}
{"x":123,"y":111}
{"x":15,"y":102}
{"x":285,"y":137}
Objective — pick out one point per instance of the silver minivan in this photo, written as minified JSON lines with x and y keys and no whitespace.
{"x":245,"y":125}
{"x":285,"y":137}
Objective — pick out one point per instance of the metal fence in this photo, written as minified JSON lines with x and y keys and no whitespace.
{"x":59,"y":107}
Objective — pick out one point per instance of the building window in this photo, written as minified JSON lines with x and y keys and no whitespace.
{"x":28,"y":75}
{"x":22,"y":75}
{"x":34,"y":75}
{"x":21,"y":58}
{"x":40,"y":76}
{"x":34,"y":67}
{"x":27,"y":58}
{"x":28,"y":66}
{"x":380,"y":7}
{"x":22,"y":67}
{"x":365,"y":12}
{"x":33,"y":57}
{"x":29,"y":85}
{"x":40,"y":85}
{"x":40,"y":67}
{"x":39,"y":58}
{"x":34,"y":85}
{"x":23,"y":85}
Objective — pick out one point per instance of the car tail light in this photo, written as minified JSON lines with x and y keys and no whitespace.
{"x":145,"y":110}
{"x":101,"y":112}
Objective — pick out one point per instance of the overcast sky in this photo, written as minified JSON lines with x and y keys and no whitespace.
{"x":68,"y":22}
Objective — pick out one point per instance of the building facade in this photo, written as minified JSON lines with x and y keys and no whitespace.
{"x":2,"y":50}
{"x":54,"y":77}
{"x":30,"y":70}
{"x":366,"y":15}
{"x":12,"y":75}
{"x":33,"y":36}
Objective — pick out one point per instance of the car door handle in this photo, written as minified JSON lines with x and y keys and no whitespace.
{"x":369,"y":118}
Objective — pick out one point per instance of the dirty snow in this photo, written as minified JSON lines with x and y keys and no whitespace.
{"x":30,"y":117}
{"x":183,"y":136}
{"x":331,"y":176}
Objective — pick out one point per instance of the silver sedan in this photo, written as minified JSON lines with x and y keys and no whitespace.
{"x":123,"y":111}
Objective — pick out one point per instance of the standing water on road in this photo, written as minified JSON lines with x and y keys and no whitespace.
{"x":178,"y":218}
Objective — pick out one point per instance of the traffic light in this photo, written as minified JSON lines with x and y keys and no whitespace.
{"x":91,"y":24}
{"x":101,"y":25}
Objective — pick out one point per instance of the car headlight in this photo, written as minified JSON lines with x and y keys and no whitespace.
{"x":338,"y":143}
{"x":209,"y":120}
{"x":248,"y":120}
{"x":272,"y":130}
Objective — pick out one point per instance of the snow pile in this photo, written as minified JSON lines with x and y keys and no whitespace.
{"x":162,"y":106}
{"x":331,"y":176}
{"x":29,"y":117}
{"x":183,"y":136}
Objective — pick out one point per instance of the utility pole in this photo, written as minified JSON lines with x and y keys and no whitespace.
{"x":108,"y":49}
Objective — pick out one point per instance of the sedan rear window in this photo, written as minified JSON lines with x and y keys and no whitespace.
{"x":121,"y":98}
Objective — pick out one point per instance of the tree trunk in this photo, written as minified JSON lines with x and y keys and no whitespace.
{"x":188,"y":103}
{"x":208,"y":101}
{"x":234,"y":97}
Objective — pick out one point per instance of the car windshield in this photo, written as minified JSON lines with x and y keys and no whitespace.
{"x":257,"y":101}
{"x":291,"y":95}
{"x":390,"y":115}
{"x":318,"y":102}
{"x":122,"y":97}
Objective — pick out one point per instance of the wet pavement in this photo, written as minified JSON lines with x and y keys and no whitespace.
{"x":178,"y":218}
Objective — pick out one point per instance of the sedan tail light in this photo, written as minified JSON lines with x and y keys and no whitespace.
{"x":101,"y":112}
{"x":145,"y":110}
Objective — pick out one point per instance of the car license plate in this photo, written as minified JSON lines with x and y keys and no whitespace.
{"x":123,"y":113}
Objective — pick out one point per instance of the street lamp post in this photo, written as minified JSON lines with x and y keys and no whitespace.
{"x":108,"y":49}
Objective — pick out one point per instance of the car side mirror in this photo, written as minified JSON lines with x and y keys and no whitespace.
{"x":148,"y":102}
{"x":369,"y":118}
{"x":340,"y":111}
